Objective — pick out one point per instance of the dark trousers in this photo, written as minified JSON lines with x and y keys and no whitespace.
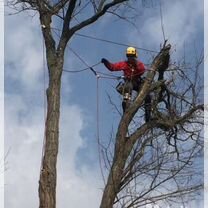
{"x":128,"y":86}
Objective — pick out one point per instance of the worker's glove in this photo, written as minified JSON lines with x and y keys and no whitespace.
{"x":104,"y":61}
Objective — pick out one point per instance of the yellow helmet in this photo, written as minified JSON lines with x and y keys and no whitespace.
{"x":131,"y":52}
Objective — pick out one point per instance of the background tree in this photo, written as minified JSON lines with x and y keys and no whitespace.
{"x":70,"y":13}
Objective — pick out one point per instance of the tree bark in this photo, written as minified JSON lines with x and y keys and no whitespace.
{"x":114,"y":179}
{"x":113,"y":186}
{"x":47,"y":182}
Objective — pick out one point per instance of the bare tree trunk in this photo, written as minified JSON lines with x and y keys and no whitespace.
{"x":47,"y":183}
{"x":114,"y":180}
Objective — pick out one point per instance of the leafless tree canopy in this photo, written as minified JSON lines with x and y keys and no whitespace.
{"x":159,"y":161}
{"x":150,"y":162}
{"x":72,"y":14}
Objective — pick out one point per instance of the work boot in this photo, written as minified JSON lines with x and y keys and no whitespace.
{"x":147,"y":107}
{"x":147,"y":114}
{"x":120,"y":88}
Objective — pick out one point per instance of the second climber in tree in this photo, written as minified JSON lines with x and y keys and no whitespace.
{"x":133,"y":69}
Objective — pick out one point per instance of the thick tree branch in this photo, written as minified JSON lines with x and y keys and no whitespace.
{"x":97,"y":15}
{"x":68,"y":16}
{"x":67,"y":33}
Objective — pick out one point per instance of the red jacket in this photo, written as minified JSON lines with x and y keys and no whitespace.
{"x":129,"y":70}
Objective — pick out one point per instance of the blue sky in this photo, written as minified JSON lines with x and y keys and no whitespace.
{"x":1,"y":105}
{"x":79,"y":178}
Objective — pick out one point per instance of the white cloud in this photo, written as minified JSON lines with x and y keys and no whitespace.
{"x":75,"y":188}
{"x":181,"y":21}
{"x":78,"y":190}
{"x":180,"y":24}
{"x":24,"y":50}
{"x":24,"y":136}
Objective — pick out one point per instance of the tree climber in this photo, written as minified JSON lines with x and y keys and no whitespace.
{"x":133,"y":69}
